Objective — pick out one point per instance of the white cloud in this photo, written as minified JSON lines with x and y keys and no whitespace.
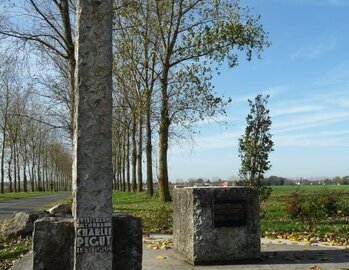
{"x":272,"y":91}
{"x":337,"y":76}
{"x":220,"y":140}
{"x":315,"y":50}
{"x":297,"y":109}
{"x":215,"y":141}
{"x":308,"y":121}
{"x":321,"y":139}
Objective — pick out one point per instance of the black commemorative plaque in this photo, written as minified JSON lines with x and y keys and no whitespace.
{"x":229,"y":213}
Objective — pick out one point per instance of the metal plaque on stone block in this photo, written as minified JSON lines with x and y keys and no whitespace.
{"x":229,"y":213}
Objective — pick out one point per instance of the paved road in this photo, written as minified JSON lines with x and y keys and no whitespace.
{"x":28,"y":204}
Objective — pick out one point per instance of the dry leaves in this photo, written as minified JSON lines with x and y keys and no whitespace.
{"x":162,"y":244}
{"x":310,"y":237}
{"x":315,"y":267}
{"x":5,"y":265}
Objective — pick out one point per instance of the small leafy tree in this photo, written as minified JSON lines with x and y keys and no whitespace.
{"x":256,"y":144}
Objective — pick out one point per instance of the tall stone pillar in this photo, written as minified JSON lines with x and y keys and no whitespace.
{"x":92,"y":169}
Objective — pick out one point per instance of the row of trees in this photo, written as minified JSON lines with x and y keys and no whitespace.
{"x":282,"y":181}
{"x":32,"y":156}
{"x":165,"y":53}
{"x":268,"y":181}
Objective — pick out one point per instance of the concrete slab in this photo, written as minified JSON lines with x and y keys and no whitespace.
{"x":276,"y":255}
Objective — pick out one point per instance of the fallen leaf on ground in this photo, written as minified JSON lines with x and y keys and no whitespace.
{"x":325,"y":259}
{"x":315,"y":267}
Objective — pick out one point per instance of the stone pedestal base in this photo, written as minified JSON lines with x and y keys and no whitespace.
{"x":127,"y":242}
{"x":53,"y":241}
{"x":216,"y":225}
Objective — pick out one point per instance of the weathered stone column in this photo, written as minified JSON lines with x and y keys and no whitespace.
{"x":92,"y":170}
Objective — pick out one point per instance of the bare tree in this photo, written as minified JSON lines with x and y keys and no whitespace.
{"x":47,"y":27}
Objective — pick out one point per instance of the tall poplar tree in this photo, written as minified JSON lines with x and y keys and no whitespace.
{"x":256,"y":144}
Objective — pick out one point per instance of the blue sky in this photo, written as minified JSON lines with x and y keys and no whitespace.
{"x":306,"y":73}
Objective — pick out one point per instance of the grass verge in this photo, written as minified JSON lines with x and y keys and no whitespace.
{"x":21,"y":195}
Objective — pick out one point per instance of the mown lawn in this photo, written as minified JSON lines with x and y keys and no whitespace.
{"x":156,"y":215}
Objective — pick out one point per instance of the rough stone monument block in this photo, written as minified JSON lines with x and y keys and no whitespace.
{"x":216,"y":225}
{"x":127,"y":242}
{"x":53,"y":242}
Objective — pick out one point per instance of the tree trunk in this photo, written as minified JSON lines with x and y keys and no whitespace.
{"x":46,"y":172}
{"x":32,"y":177}
{"x":164,"y":191}
{"x":134,"y":154}
{"x":115,"y":169}
{"x":25,"y":180}
{"x":118,"y":176}
{"x":3,"y":158}
{"x":149,"y":147}
{"x":40,"y":187}
{"x":51,"y":176}
{"x":70,"y":49}
{"x":139,"y":154}
{"x":123,"y":162}
{"x":18,"y":170}
{"x":14,"y":166}
{"x":9,"y":171}
{"x":128,"y":161}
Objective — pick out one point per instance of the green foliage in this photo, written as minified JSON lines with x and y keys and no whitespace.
{"x":256,"y":144}
{"x":278,"y":223}
{"x":264,"y":193}
{"x":313,"y":208}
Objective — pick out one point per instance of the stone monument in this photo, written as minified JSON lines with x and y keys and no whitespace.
{"x":216,"y":225}
{"x":92,"y":164}
{"x":93,"y":238}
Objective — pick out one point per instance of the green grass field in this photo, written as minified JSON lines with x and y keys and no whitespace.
{"x":277,"y":222}
{"x":21,"y":195}
{"x":157,"y":217}
{"x":280,"y":191}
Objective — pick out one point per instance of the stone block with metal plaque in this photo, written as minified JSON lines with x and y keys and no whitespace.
{"x":214,"y":225}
